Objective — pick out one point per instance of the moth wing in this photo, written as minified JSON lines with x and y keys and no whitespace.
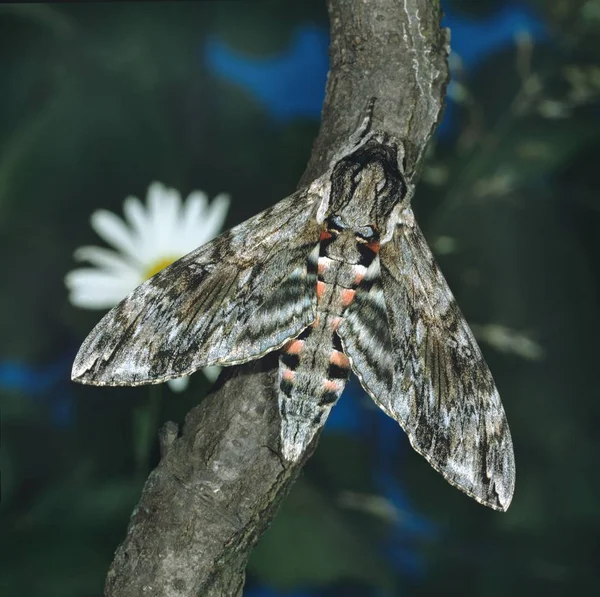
{"x":439,"y":388}
{"x":230,"y":301}
{"x":366,"y":338}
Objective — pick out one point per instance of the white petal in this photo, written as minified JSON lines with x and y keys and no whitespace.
{"x":97,"y":279}
{"x":190,"y":220}
{"x":213,"y":220}
{"x":86,"y":300}
{"x":106,"y":259}
{"x":192,"y":212}
{"x":194,"y":205}
{"x":154,"y":203}
{"x":163,"y":210}
{"x":179,"y":384}
{"x":167,"y":232}
{"x":211,"y":373}
{"x":135,"y":215}
{"x":140,"y":222}
{"x":114,"y":231}
{"x":97,"y":289}
{"x":156,"y":192}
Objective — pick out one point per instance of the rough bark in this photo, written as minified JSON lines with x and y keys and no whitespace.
{"x":218,"y":485}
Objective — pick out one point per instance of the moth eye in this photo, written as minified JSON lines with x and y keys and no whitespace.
{"x":335,"y":222}
{"x":365,"y":233}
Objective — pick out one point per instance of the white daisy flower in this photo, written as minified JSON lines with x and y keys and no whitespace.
{"x":150,"y":238}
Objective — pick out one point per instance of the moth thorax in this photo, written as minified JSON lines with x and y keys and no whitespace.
{"x":344,"y":248}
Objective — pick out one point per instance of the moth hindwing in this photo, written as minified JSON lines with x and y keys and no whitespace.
{"x":340,"y":278}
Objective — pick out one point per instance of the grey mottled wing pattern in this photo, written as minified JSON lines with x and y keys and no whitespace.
{"x":441,"y":391}
{"x":232,"y":300}
{"x":365,"y":335}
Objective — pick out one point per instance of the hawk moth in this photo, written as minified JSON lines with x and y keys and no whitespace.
{"x":339,"y":278}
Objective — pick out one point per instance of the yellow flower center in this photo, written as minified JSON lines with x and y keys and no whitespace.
{"x":158,"y":266}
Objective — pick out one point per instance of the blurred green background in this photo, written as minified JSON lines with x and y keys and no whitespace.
{"x":100,"y":99}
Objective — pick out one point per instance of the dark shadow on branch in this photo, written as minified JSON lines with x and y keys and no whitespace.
{"x":218,"y":485}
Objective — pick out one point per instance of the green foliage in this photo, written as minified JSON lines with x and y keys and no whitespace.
{"x":312,"y":543}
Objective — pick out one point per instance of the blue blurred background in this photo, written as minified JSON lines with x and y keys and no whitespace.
{"x":99,"y":100}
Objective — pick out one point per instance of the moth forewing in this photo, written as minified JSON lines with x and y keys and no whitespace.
{"x":232,"y":300}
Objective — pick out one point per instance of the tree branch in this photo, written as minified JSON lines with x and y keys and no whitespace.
{"x":218,"y":486}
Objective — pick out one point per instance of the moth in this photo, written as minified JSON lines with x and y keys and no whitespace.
{"x":338,"y":277}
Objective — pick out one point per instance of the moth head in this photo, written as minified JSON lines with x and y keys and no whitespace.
{"x":366,"y":184}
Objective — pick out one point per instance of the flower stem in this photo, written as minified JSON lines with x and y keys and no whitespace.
{"x":145,"y":426}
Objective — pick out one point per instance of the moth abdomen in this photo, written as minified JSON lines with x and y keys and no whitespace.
{"x":290,"y":360}
{"x":337,"y":372}
{"x":313,"y":368}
